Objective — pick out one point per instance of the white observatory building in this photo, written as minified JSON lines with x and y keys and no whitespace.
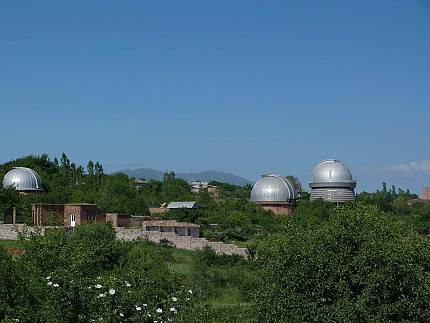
{"x":274,"y":193}
{"x":24,"y":180}
{"x":332,"y":181}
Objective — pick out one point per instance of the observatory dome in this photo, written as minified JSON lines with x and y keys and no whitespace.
{"x":332,"y":181}
{"x":23,"y":179}
{"x":273,"y":188}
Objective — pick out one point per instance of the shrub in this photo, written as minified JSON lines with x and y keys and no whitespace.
{"x":86,"y":275}
{"x":358,"y":265}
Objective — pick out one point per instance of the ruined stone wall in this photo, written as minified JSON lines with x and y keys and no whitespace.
{"x":182,"y":242}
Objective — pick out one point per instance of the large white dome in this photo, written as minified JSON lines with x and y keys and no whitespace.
{"x":273,"y":188}
{"x":23,"y":179}
{"x":332,"y":181}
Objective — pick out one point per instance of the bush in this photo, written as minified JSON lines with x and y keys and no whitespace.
{"x":86,"y":275}
{"x":358,"y":265}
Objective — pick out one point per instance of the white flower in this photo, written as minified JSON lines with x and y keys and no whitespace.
{"x":190,"y":291}
{"x":188,"y":298}
{"x":121,"y":314}
{"x":138,"y":308}
{"x":172,"y":309}
{"x":174,"y":299}
{"x":149,"y":315}
{"x":112,"y":291}
{"x":144,"y":305}
{"x":128,"y":285}
{"x":102,"y":295}
{"x":159,"y":310}
{"x":48,"y":278}
{"x":55,"y":285}
{"x":49,"y":283}
{"x":98,"y":286}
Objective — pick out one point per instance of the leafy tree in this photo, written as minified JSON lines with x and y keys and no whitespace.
{"x":295,"y":182}
{"x":357,"y":265}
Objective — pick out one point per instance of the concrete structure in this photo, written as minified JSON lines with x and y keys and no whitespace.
{"x":274,"y":193}
{"x":24,"y":180}
{"x":425,"y":195}
{"x":179,"y":228}
{"x":332,"y":181}
{"x":184,"y":205}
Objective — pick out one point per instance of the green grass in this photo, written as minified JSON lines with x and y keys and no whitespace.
{"x":10,"y":244}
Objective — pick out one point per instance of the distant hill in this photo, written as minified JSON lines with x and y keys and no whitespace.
{"x":210,"y":175}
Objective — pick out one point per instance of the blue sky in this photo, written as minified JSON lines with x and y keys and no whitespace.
{"x":247,"y":87}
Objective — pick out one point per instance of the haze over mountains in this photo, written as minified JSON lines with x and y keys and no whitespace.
{"x":210,"y":175}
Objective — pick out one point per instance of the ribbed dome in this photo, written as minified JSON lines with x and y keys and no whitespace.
{"x":273,"y":188}
{"x":23,"y":179}
{"x":331,"y":173}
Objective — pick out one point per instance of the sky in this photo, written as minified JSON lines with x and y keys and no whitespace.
{"x":247,"y":87}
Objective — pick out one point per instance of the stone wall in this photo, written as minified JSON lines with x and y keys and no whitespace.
{"x":182,"y":242}
{"x":10,"y":232}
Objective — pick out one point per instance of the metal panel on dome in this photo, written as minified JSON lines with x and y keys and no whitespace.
{"x":23,"y":179}
{"x":273,"y":188}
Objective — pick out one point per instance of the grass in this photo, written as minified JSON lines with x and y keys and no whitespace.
{"x":10,"y":244}
{"x":225,"y":296}
{"x":12,"y":247}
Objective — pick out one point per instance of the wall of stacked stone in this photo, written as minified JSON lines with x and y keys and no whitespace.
{"x":182,"y":242}
{"x":10,"y":232}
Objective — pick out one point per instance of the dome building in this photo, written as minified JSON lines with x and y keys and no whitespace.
{"x":332,"y":181}
{"x":274,"y":193}
{"x":23,"y":179}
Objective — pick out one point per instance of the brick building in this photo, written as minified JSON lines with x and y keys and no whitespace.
{"x":68,"y":215}
{"x":425,"y":195}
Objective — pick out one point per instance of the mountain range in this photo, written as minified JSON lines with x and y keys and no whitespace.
{"x":210,"y":175}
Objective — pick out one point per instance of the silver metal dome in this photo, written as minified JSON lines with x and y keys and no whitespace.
{"x":332,"y":181}
{"x":23,"y":179}
{"x":273,"y":188}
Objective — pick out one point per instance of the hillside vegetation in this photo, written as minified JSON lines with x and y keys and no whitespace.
{"x":367,"y":261}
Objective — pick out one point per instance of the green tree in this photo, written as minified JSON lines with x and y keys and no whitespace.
{"x":357,"y":265}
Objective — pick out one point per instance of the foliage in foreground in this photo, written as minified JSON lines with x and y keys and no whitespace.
{"x":86,"y":275}
{"x":357,"y":264}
